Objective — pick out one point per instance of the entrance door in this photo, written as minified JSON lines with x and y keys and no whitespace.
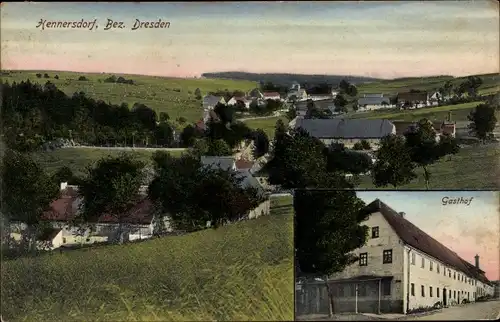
{"x":444,"y":297}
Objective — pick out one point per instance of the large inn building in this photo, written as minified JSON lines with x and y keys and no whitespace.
{"x":402,"y":268}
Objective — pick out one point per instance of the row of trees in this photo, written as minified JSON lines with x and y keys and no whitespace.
{"x":33,"y":114}
{"x":191,"y":193}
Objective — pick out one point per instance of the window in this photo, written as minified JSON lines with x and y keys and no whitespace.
{"x":412,"y":289}
{"x":88,"y":239}
{"x":413,"y":258}
{"x":430,"y":265}
{"x":64,"y":240}
{"x":437,"y":292}
{"x":430,"y":291}
{"x":375,"y":232}
{"x":363,"y":259}
{"x":422,"y":289}
{"x":449,"y":272}
{"x":423,"y":262}
{"x":449,"y":295}
{"x":437,"y":268}
{"x":454,"y":276}
{"x":386,"y":287}
{"x":387,"y":256}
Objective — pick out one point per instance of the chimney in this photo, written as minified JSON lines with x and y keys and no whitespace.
{"x":402,"y":214}
{"x":477,"y":260}
{"x":63,"y":185}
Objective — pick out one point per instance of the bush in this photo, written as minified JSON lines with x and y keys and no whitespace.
{"x":56,"y":77}
{"x":82,"y":78}
{"x":39,"y":75}
{"x":46,"y":75}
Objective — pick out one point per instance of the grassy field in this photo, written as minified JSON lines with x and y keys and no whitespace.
{"x":77,"y":159}
{"x":475,"y":167}
{"x":491,"y":84}
{"x":239,"y":272}
{"x":459,"y":112}
{"x":267,"y":124}
{"x":172,"y":95}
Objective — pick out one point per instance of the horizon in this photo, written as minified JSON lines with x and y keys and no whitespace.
{"x":384,"y":40}
{"x":452,"y":225}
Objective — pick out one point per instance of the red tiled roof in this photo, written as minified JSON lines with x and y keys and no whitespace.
{"x":270,"y":94}
{"x":415,"y":237}
{"x":65,"y":209}
{"x":244,"y":164}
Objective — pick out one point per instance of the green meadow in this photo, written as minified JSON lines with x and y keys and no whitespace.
{"x":239,"y":272}
{"x":172,"y":95}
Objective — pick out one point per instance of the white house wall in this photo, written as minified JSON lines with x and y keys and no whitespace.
{"x":375,"y":247}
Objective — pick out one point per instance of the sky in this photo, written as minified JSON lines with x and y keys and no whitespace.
{"x":467,"y":230}
{"x":375,"y":39}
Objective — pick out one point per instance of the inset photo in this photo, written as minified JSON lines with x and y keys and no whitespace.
{"x":405,"y":255}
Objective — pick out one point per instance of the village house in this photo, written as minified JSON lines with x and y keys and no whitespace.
{"x":347,"y":131}
{"x":255,"y":94}
{"x":414,"y":100}
{"x":323,"y":105}
{"x":296,"y":93}
{"x":374,"y":102}
{"x":243,"y":171}
{"x":209,"y":103}
{"x":441,"y":127}
{"x":272,"y":96}
{"x":244,"y":101}
{"x":401,"y":268}
{"x":138,"y":223}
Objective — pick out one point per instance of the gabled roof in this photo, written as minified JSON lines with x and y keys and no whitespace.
{"x":376,"y":100}
{"x":48,"y":234}
{"x":271,"y":94}
{"x":212,"y":100}
{"x":417,"y":238}
{"x":346,"y":128}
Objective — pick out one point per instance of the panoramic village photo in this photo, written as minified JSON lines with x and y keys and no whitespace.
{"x":405,"y":255}
{"x":151,"y":152}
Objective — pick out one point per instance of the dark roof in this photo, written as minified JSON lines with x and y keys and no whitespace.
{"x":360,"y":278}
{"x":271,"y":94}
{"x":417,"y":238}
{"x":48,"y":234}
{"x":346,"y":128}
{"x":244,"y":164}
{"x":413,"y":97}
{"x":373,"y":100}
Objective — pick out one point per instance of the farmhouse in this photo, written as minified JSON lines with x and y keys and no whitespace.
{"x":323,"y":105}
{"x":374,"y":102}
{"x":138,"y":223}
{"x":244,"y":172}
{"x":441,"y":128}
{"x":255,"y":94}
{"x":242,"y":100}
{"x":347,"y":131}
{"x":296,"y":93}
{"x":272,"y":96}
{"x":414,"y":100}
{"x":210,"y":101}
{"x":402,"y":268}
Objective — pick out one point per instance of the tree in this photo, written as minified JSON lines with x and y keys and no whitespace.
{"x":218,"y":148}
{"x":56,"y":77}
{"x":341,"y":160}
{"x":352,"y":90}
{"x":366,"y":145}
{"x":197,"y":93}
{"x":82,"y":78}
{"x":358,"y":146}
{"x":111,"y":187}
{"x":261,"y":143}
{"x":482,"y":121}
{"x":188,"y":136}
{"x":182,"y":120}
{"x":46,"y":75}
{"x":328,"y":228}
{"x":194,"y":194}
{"x":164,"y":134}
{"x":448,"y":145}
{"x":27,"y":191}
{"x":472,"y":85}
{"x":64,"y":174}
{"x":424,"y":147}
{"x":344,"y":86}
{"x":225,"y":113}
{"x":340,"y":102}
{"x":38,"y":75}
{"x":393,"y":165}
{"x":164,"y":117}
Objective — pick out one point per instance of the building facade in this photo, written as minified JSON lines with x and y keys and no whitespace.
{"x":401,"y":269}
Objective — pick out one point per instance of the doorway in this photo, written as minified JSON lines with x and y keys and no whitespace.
{"x":445,"y":302}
